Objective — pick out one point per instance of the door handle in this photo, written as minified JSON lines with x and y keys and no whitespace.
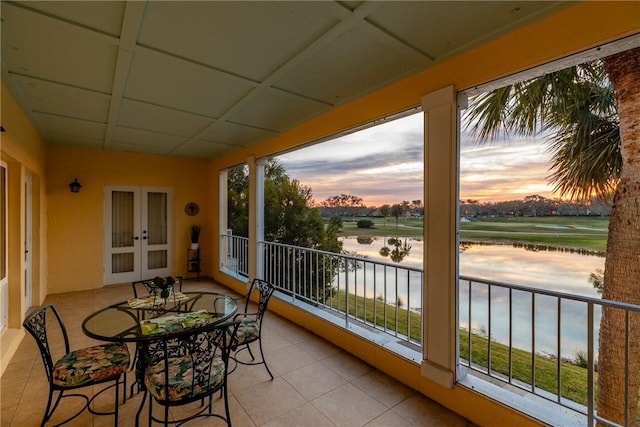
{"x":136,"y":238}
{"x":145,"y":237}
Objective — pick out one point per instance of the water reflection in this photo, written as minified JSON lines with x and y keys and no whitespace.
{"x":562,"y":271}
{"x":399,"y":252}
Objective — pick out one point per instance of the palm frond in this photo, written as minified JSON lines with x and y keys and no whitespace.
{"x":577,"y":107}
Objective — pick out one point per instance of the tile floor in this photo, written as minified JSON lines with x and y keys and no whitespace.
{"x":315,"y":384}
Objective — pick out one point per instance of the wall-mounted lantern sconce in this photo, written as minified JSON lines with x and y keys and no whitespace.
{"x":75,"y":186}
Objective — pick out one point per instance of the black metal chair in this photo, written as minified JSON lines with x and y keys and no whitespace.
{"x":76,"y":369}
{"x":151,"y":287}
{"x":188,"y":366}
{"x":250,"y":329}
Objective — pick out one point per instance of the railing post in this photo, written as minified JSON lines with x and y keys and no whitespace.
{"x":590,"y":365}
{"x":346,"y":292}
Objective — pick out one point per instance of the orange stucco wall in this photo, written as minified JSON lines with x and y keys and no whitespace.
{"x":76,"y":221}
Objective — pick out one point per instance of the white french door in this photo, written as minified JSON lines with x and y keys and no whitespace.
{"x":137,"y":234}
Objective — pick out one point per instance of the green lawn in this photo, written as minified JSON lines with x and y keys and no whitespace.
{"x":573,"y":377}
{"x":582,"y":233}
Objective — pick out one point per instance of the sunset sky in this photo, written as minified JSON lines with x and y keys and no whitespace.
{"x":383,"y":164}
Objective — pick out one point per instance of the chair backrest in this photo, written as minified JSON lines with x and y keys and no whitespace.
{"x":197,"y":350}
{"x":36,"y":325}
{"x":151,"y":288}
{"x":265,"y":290}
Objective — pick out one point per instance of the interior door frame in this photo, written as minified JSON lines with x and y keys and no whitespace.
{"x":4,"y":281}
{"x":28,"y":240}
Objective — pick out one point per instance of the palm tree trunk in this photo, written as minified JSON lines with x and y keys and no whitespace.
{"x":622,"y":264}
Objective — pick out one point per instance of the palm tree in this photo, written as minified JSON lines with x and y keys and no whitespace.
{"x":592,"y":114}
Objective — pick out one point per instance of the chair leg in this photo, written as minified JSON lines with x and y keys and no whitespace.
{"x":226,"y":405}
{"x":50,"y":410}
{"x":264,"y":360}
{"x":144,"y":398}
{"x":250,"y":352}
{"x":115,"y":410}
{"x":150,"y":409}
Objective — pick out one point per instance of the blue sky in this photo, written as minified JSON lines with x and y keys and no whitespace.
{"x":383,"y":164}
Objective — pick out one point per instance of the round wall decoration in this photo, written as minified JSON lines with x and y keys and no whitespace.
{"x":192,"y":209}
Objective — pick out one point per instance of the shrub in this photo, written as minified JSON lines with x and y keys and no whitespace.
{"x":365,"y":223}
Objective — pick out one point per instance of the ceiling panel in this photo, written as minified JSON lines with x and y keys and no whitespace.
{"x":65,"y":101}
{"x":439,"y":28}
{"x":157,"y":142}
{"x":238,"y":134}
{"x":203,"y":149}
{"x":351,"y":65}
{"x":250,"y":39}
{"x":105,"y":16}
{"x":36,"y":46}
{"x":140,"y":115}
{"x":166,"y":80}
{"x":66,"y":126}
{"x":276,"y":110}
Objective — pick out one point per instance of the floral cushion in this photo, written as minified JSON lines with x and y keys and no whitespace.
{"x":248,"y":330}
{"x":182,"y":383}
{"x":91,"y":364}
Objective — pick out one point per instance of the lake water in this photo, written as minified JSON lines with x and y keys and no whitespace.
{"x":559,"y":271}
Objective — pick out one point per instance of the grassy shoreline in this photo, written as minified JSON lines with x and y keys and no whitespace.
{"x":400,"y":321}
{"x":565,"y":233}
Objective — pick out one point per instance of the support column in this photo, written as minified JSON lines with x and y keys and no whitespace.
{"x":256,"y":216}
{"x":440,"y":186}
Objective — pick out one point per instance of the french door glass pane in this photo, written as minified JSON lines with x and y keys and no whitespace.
{"x":122,"y":219}
{"x":122,"y":263}
{"x":157,"y":219}
{"x":157,"y":259}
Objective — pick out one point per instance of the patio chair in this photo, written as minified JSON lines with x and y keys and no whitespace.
{"x":151,"y":288}
{"x":188,"y":366}
{"x":250,"y":329}
{"x":76,"y":369}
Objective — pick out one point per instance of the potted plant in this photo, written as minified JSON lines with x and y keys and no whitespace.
{"x":195,"y":236}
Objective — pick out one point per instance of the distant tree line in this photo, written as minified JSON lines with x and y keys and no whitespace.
{"x":534,"y":205}
{"x":350,"y":205}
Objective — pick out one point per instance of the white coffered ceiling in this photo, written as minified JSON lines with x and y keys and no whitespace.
{"x":199,"y":79}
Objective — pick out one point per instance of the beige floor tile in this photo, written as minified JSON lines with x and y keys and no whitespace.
{"x":390,"y":419}
{"x":269,"y":400}
{"x":383,"y":388}
{"x":246,"y":376}
{"x":304,"y":416}
{"x":314,"y":380}
{"x":421,"y":411}
{"x":271,"y":341}
{"x":347,"y":366}
{"x":318,"y":347}
{"x":6,"y":415}
{"x":288,"y":359}
{"x":349,"y":406}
